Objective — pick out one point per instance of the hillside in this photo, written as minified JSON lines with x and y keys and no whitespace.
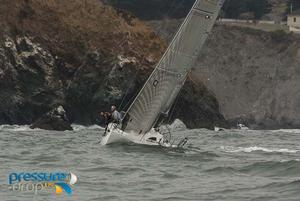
{"x":85,"y":56}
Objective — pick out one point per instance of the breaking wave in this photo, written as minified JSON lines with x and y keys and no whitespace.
{"x":6,"y":127}
{"x":255,"y":148}
{"x":78,"y":127}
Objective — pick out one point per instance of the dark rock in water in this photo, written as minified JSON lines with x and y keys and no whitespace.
{"x":56,"y":119}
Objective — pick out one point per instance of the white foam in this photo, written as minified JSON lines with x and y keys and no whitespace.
{"x":78,"y":127}
{"x":255,"y":148}
{"x":16,"y":128}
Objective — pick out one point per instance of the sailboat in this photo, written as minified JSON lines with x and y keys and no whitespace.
{"x":162,"y":87}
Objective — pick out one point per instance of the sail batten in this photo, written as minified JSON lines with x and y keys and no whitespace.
{"x":165,"y":82}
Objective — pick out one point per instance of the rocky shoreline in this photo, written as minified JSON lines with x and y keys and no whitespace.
{"x":86,"y":63}
{"x":82,"y":62}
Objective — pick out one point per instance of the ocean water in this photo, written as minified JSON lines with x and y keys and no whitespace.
{"x":229,"y":165}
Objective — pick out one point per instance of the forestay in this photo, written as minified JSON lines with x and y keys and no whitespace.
{"x":164,"y":84}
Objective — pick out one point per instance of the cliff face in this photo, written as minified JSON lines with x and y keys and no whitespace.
{"x":85,"y":56}
{"x":255,"y":75}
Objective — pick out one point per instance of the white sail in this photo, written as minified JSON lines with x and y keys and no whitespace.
{"x":164,"y":84}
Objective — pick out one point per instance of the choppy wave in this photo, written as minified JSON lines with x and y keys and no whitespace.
{"x":288,"y":130}
{"x":19,"y":128}
{"x":267,"y":168}
{"x":237,"y":175}
{"x":255,"y":148}
{"x":278,"y":168}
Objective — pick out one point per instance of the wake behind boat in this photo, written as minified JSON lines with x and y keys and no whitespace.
{"x":162,"y":87}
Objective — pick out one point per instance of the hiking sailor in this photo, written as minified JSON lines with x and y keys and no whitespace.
{"x":116,"y":116}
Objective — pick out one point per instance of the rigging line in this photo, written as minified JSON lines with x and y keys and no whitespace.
{"x":171,"y":10}
{"x":169,"y":119}
{"x":169,"y":71}
{"x":164,"y":20}
{"x":173,"y":107}
{"x":126,"y":93}
{"x":130,"y":100}
{"x":120,"y":106}
{"x":182,"y":53}
{"x":127,"y":103}
{"x":190,"y":77}
{"x":178,"y":95}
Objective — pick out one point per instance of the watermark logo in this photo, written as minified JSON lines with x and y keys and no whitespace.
{"x":39,"y":181}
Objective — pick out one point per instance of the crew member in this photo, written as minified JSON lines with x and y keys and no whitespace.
{"x":116,"y":116}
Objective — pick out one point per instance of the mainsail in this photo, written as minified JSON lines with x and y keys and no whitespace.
{"x":164,"y":84}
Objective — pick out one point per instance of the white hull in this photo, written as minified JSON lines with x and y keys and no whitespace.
{"x":116,"y":135}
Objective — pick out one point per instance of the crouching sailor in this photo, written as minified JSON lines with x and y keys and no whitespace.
{"x":111,"y":117}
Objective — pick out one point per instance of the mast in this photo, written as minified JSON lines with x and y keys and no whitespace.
{"x":165,"y":82}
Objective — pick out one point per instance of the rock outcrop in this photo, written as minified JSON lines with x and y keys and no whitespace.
{"x":56,"y":120}
{"x":28,"y":85}
{"x":85,"y":60}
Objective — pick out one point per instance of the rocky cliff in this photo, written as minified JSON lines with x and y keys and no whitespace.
{"x":255,"y":75}
{"x":85,"y":56}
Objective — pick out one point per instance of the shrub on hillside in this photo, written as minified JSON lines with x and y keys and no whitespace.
{"x":280,"y":36}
